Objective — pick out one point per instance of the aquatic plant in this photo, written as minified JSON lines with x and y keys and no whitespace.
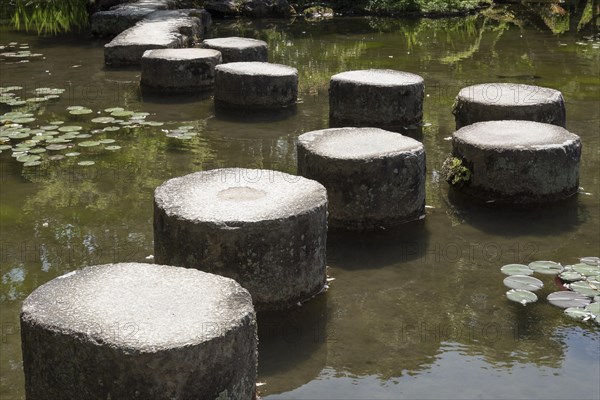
{"x":581,"y":297}
{"x":455,"y":172}
{"x":52,"y":17}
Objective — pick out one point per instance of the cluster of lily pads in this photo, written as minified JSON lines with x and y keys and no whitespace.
{"x":18,"y":51}
{"x":9,"y":96}
{"x":31,"y":145}
{"x":580,"y":296}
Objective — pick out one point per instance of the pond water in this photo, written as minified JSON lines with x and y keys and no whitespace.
{"x":416,"y":313}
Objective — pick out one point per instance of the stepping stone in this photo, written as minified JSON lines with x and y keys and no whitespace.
{"x":160,"y":30}
{"x":374,"y":178}
{"x":256,"y":85}
{"x":381,"y":98}
{"x":139,"y":331}
{"x":516,"y":161}
{"x":265,"y":229}
{"x":179,"y":70}
{"x":238,"y":49}
{"x":508,"y":101}
{"x":123,"y":16}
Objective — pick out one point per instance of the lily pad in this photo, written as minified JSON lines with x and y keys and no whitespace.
{"x":83,"y":136}
{"x":570,"y":276}
{"x":111,"y":128}
{"x":585,"y":288}
{"x":49,"y":127}
{"x":122,"y":113}
{"x":113,"y":148}
{"x":89,"y":143}
{"x":82,"y":111}
{"x":521,"y":296}
{"x":107,"y":141}
{"x":590,"y":260}
{"x":32,"y":163}
{"x":37,"y":150}
{"x":25,"y":120}
{"x":56,"y":157}
{"x":523,"y":282}
{"x":72,"y":154}
{"x":587,"y":270}
{"x":86,"y":163}
{"x":56,"y":147}
{"x":56,"y":122}
{"x":69,"y":128}
{"x":546,"y":267}
{"x":113,"y":109}
{"x":594,"y":308}
{"x":516,"y":269}
{"x":27,"y":158}
{"x":74,"y":108}
{"x":103,"y":120}
{"x":566,"y":299}
{"x":578,"y":313}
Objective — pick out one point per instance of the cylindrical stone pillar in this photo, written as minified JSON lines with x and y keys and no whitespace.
{"x":374,"y":178}
{"x":515,"y":161}
{"x":179,"y":70}
{"x":139,"y":331}
{"x":508,"y":101}
{"x":265,"y":229}
{"x":381,"y":98}
{"x":256,"y":85}
{"x":238,"y":49}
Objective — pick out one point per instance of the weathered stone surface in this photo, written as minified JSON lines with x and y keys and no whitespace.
{"x":123,"y":16}
{"x":519,"y":161}
{"x":159,"y":30}
{"x":179,"y":70}
{"x":256,"y":85}
{"x":381,"y":98}
{"x":508,"y":101}
{"x":139,"y":331}
{"x":223,"y":7}
{"x":374,"y":178}
{"x":238,"y":49}
{"x":265,"y":229}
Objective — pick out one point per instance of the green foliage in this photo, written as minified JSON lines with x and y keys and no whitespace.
{"x":455,"y":172}
{"x":51,"y":16}
{"x":387,"y":7}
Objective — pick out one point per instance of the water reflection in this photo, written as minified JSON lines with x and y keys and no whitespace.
{"x":300,"y":335}
{"x":547,"y":219}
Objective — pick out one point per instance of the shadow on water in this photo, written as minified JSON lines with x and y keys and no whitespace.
{"x":240,"y":115}
{"x":377,"y":249}
{"x":508,"y":220}
{"x":292,"y":340}
{"x":157,"y":97}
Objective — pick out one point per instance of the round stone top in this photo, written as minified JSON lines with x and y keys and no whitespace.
{"x":140,"y":307}
{"x":181,"y":54}
{"x":509,"y":94}
{"x":234,"y":195}
{"x":257,"y":68}
{"x":357,"y":143}
{"x":379,"y":77}
{"x":234,"y":42}
{"x":514,"y":135}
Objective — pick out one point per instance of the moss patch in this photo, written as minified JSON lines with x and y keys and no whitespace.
{"x":455,"y":172}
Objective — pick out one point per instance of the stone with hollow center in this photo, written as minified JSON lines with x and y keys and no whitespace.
{"x":374,"y":178}
{"x":381,"y":98}
{"x":238,"y":49}
{"x":179,"y":70}
{"x":508,"y":101}
{"x":256,"y":85}
{"x":132,"y":330}
{"x":265,"y":229}
{"x":519,"y":161}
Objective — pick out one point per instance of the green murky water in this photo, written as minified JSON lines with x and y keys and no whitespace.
{"x":418,"y":313}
